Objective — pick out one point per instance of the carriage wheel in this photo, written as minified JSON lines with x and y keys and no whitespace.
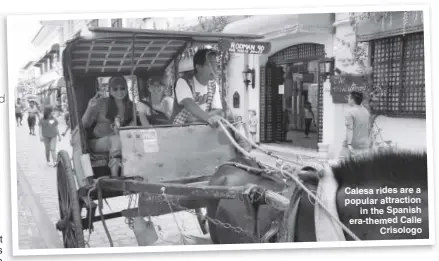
{"x":70,"y":223}
{"x":201,"y":217}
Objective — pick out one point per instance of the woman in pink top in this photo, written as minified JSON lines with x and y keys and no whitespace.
{"x":103,"y":115}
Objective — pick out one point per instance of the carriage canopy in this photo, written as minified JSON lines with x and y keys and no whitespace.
{"x":99,"y":50}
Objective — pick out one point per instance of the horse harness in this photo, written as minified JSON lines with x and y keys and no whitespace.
{"x":282,"y":228}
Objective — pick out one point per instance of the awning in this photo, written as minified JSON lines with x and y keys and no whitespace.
{"x":44,"y":87}
{"x":275,"y":26}
{"x":53,"y":49}
{"x":58,"y":84}
{"x":391,"y":24}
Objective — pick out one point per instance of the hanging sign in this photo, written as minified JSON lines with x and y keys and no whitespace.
{"x":282,"y":89}
{"x":341,"y":86}
{"x":248,"y":47}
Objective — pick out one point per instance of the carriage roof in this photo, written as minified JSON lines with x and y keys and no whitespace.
{"x":106,"y":51}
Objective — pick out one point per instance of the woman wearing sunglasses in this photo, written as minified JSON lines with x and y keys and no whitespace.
{"x":101,"y":116}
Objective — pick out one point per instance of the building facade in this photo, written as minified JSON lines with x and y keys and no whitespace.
{"x":288,"y":76}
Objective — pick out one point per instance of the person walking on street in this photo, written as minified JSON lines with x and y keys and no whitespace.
{"x":309,"y":118}
{"x":253,"y":125}
{"x":32,"y":114}
{"x":19,"y":108}
{"x":48,"y":127}
{"x":67,"y":120}
{"x":357,"y":122}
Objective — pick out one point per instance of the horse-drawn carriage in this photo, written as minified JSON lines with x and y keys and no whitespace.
{"x":171,"y":167}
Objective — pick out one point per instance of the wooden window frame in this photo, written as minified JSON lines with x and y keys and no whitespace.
{"x":399,"y":70}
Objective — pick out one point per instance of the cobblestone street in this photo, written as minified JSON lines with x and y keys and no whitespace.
{"x":42,"y":179}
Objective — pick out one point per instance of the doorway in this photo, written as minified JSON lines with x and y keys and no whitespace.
{"x":301,"y":104}
{"x":288,"y":81}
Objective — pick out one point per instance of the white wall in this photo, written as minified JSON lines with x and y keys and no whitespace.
{"x":237,"y":64}
{"x":236,"y":82}
{"x":395,"y":129}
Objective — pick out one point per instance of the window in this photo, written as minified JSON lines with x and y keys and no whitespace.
{"x":117,"y":23}
{"x":398,"y":69}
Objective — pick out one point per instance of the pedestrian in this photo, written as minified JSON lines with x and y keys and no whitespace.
{"x":357,"y":121}
{"x":253,"y":124}
{"x":48,"y":133}
{"x":67,"y":120}
{"x":309,"y":118}
{"x":19,"y":108}
{"x":32,"y":114}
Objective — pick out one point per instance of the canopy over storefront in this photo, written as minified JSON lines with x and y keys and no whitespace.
{"x":58,"y":84}
{"x":389,"y":24}
{"x":44,"y":87}
{"x":54,"y":49}
{"x":278,"y":26}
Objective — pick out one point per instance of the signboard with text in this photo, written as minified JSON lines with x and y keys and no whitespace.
{"x":341,"y":86}
{"x":248,"y":47}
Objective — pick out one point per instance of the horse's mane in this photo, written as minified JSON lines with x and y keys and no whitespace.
{"x":401,"y":167}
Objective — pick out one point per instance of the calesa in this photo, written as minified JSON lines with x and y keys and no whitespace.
{"x":358,"y":191}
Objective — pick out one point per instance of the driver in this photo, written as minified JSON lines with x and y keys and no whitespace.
{"x":198,"y":97}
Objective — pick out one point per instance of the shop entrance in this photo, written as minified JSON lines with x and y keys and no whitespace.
{"x":290,"y":82}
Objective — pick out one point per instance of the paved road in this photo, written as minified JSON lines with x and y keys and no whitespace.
{"x":42,"y":199}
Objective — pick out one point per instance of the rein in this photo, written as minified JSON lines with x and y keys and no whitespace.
{"x":287,"y":175}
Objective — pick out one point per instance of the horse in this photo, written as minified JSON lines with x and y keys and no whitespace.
{"x":379,"y":176}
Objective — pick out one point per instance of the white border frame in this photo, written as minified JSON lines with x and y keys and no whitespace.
{"x":12,"y":78}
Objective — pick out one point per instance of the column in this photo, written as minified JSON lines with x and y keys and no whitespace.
{"x":326,"y":148}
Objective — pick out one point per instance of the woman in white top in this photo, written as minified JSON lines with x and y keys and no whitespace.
{"x":157,"y":97}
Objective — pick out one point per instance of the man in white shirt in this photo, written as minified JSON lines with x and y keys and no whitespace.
{"x":198,"y":97}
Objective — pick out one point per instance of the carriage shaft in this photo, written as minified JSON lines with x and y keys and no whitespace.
{"x":204,"y":192}
{"x":276,"y":201}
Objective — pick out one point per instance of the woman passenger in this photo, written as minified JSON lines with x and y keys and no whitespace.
{"x":103,"y":115}
{"x":155,"y":96}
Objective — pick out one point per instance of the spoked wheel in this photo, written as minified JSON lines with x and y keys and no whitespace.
{"x":202,"y":221}
{"x":70,"y":223}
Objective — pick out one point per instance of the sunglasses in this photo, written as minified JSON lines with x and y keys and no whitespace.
{"x":115,"y":89}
